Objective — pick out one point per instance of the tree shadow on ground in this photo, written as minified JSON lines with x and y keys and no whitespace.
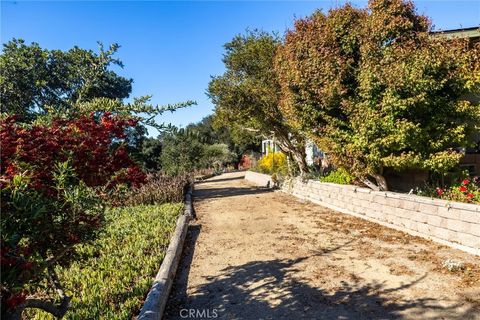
{"x":270,"y":290}
{"x":179,"y":288}
{"x":212,"y":193}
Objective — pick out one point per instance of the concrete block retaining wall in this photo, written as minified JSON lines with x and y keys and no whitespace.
{"x":451,"y":223}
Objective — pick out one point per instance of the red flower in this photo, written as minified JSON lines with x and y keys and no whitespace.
{"x":465,"y":182}
{"x":440,"y":191}
{"x":462,"y":189}
{"x":10,"y":170}
{"x":470,"y":195}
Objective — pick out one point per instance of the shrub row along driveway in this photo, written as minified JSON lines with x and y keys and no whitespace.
{"x":259,"y":254}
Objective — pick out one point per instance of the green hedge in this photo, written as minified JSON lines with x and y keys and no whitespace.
{"x":340,"y":176}
{"x":115,"y":274}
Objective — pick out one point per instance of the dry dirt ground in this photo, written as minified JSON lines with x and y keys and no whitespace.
{"x":261,"y":254}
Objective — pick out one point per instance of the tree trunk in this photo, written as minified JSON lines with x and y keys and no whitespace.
{"x":381,"y":181}
{"x":370,"y":184}
{"x":297,"y":153}
{"x":57,"y":311}
{"x":299,"y":158}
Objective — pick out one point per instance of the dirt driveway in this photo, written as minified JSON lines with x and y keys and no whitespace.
{"x":259,"y":254}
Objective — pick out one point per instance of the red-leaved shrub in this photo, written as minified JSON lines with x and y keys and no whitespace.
{"x":51,"y":177}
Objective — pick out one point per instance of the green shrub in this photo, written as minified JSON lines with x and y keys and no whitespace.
{"x":39,"y":225}
{"x":340,"y":176}
{"x":158,"y":189}
{"x":115,"y":272}
{"x":181,"y":153}
{"x":216,"y":156}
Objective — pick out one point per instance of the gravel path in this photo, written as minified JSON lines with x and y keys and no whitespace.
{"x":259,"y":254}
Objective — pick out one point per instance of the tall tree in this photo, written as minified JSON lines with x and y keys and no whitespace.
{"x":211,"y":131}
{"x":247,"y":95}
{"x":33,"y":80}
{"x":375,"y":90}
{"x":181,"y":152}
{"x":40,"y":85}
{"x":150,"y":152}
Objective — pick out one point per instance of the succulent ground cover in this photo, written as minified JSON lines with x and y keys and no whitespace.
{"x":113,"y":274}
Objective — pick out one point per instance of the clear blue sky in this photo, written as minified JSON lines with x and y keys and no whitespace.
{"x":171,"y":49}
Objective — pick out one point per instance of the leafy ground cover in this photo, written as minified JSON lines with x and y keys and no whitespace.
{"x":115,"y":272}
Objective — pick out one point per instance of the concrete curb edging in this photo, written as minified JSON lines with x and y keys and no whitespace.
{"x":156,"y":301}
{"x":260,"y":179}
{"x":205,"y":177}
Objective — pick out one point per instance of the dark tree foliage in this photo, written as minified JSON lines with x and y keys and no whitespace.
{"x":181,"y":152}
{"x":150,"y":153}
{"x":34,"y":80}
{"x":247,"y":95}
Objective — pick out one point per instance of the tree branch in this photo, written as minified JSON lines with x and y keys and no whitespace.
{"x":56,"y":283}
{"x":53,"y":259}
{"x":50,"y":307}
{"x":370,"y":184}
{"x":57,"y":311}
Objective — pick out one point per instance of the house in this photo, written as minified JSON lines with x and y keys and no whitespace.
{"x":268,"y":146}
{"x":313,"y":154}
{"x":472,"y":34}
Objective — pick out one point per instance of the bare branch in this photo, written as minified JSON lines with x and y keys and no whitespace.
{"x":370,"y":184}
{"x":251,"y":130}
{"x":53,"y":259}
{"x":48,"y":306}
{"x":57,"y":311}
{"x":55,"y":282}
